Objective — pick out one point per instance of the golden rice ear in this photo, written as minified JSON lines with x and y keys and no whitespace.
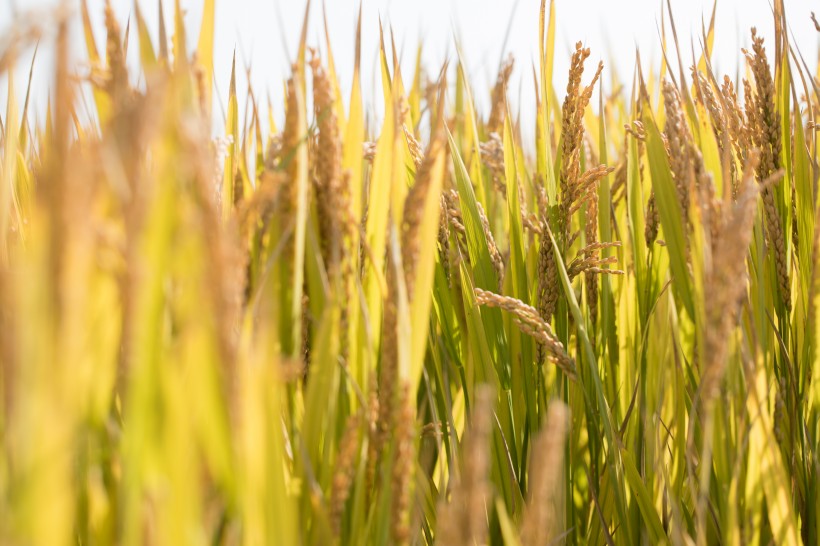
{"x":531,"y":323}
{"x":117,"y":82}
{"x":541,"y":522}
{"x":332,"y":192}
{"x":416,"y":152}
{"x":680,"y":147}
{"x":547,"y":280}
{"x":492,"y":156}
{"x":726,"y":279}
{"x":495,"y":254}
{"x":652,"y":221}
{"x":764,"y":122}
{"x":572,"y":130}
{"x":404,"y":434}
{"x":345,"y":471}
{"x":498,"y":112}
{"x":462,"y":520}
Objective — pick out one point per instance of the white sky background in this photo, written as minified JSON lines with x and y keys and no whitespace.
{"x":261,"y":29}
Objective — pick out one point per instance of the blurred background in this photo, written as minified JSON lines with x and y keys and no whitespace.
{"x":264,"y":35}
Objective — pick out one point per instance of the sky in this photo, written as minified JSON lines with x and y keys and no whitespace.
{"x":264,"y":34}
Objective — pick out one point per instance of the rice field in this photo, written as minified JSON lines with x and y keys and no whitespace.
{"x":435,"y":329}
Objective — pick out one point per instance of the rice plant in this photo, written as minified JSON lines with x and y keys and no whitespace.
{"x":439,"y":329}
